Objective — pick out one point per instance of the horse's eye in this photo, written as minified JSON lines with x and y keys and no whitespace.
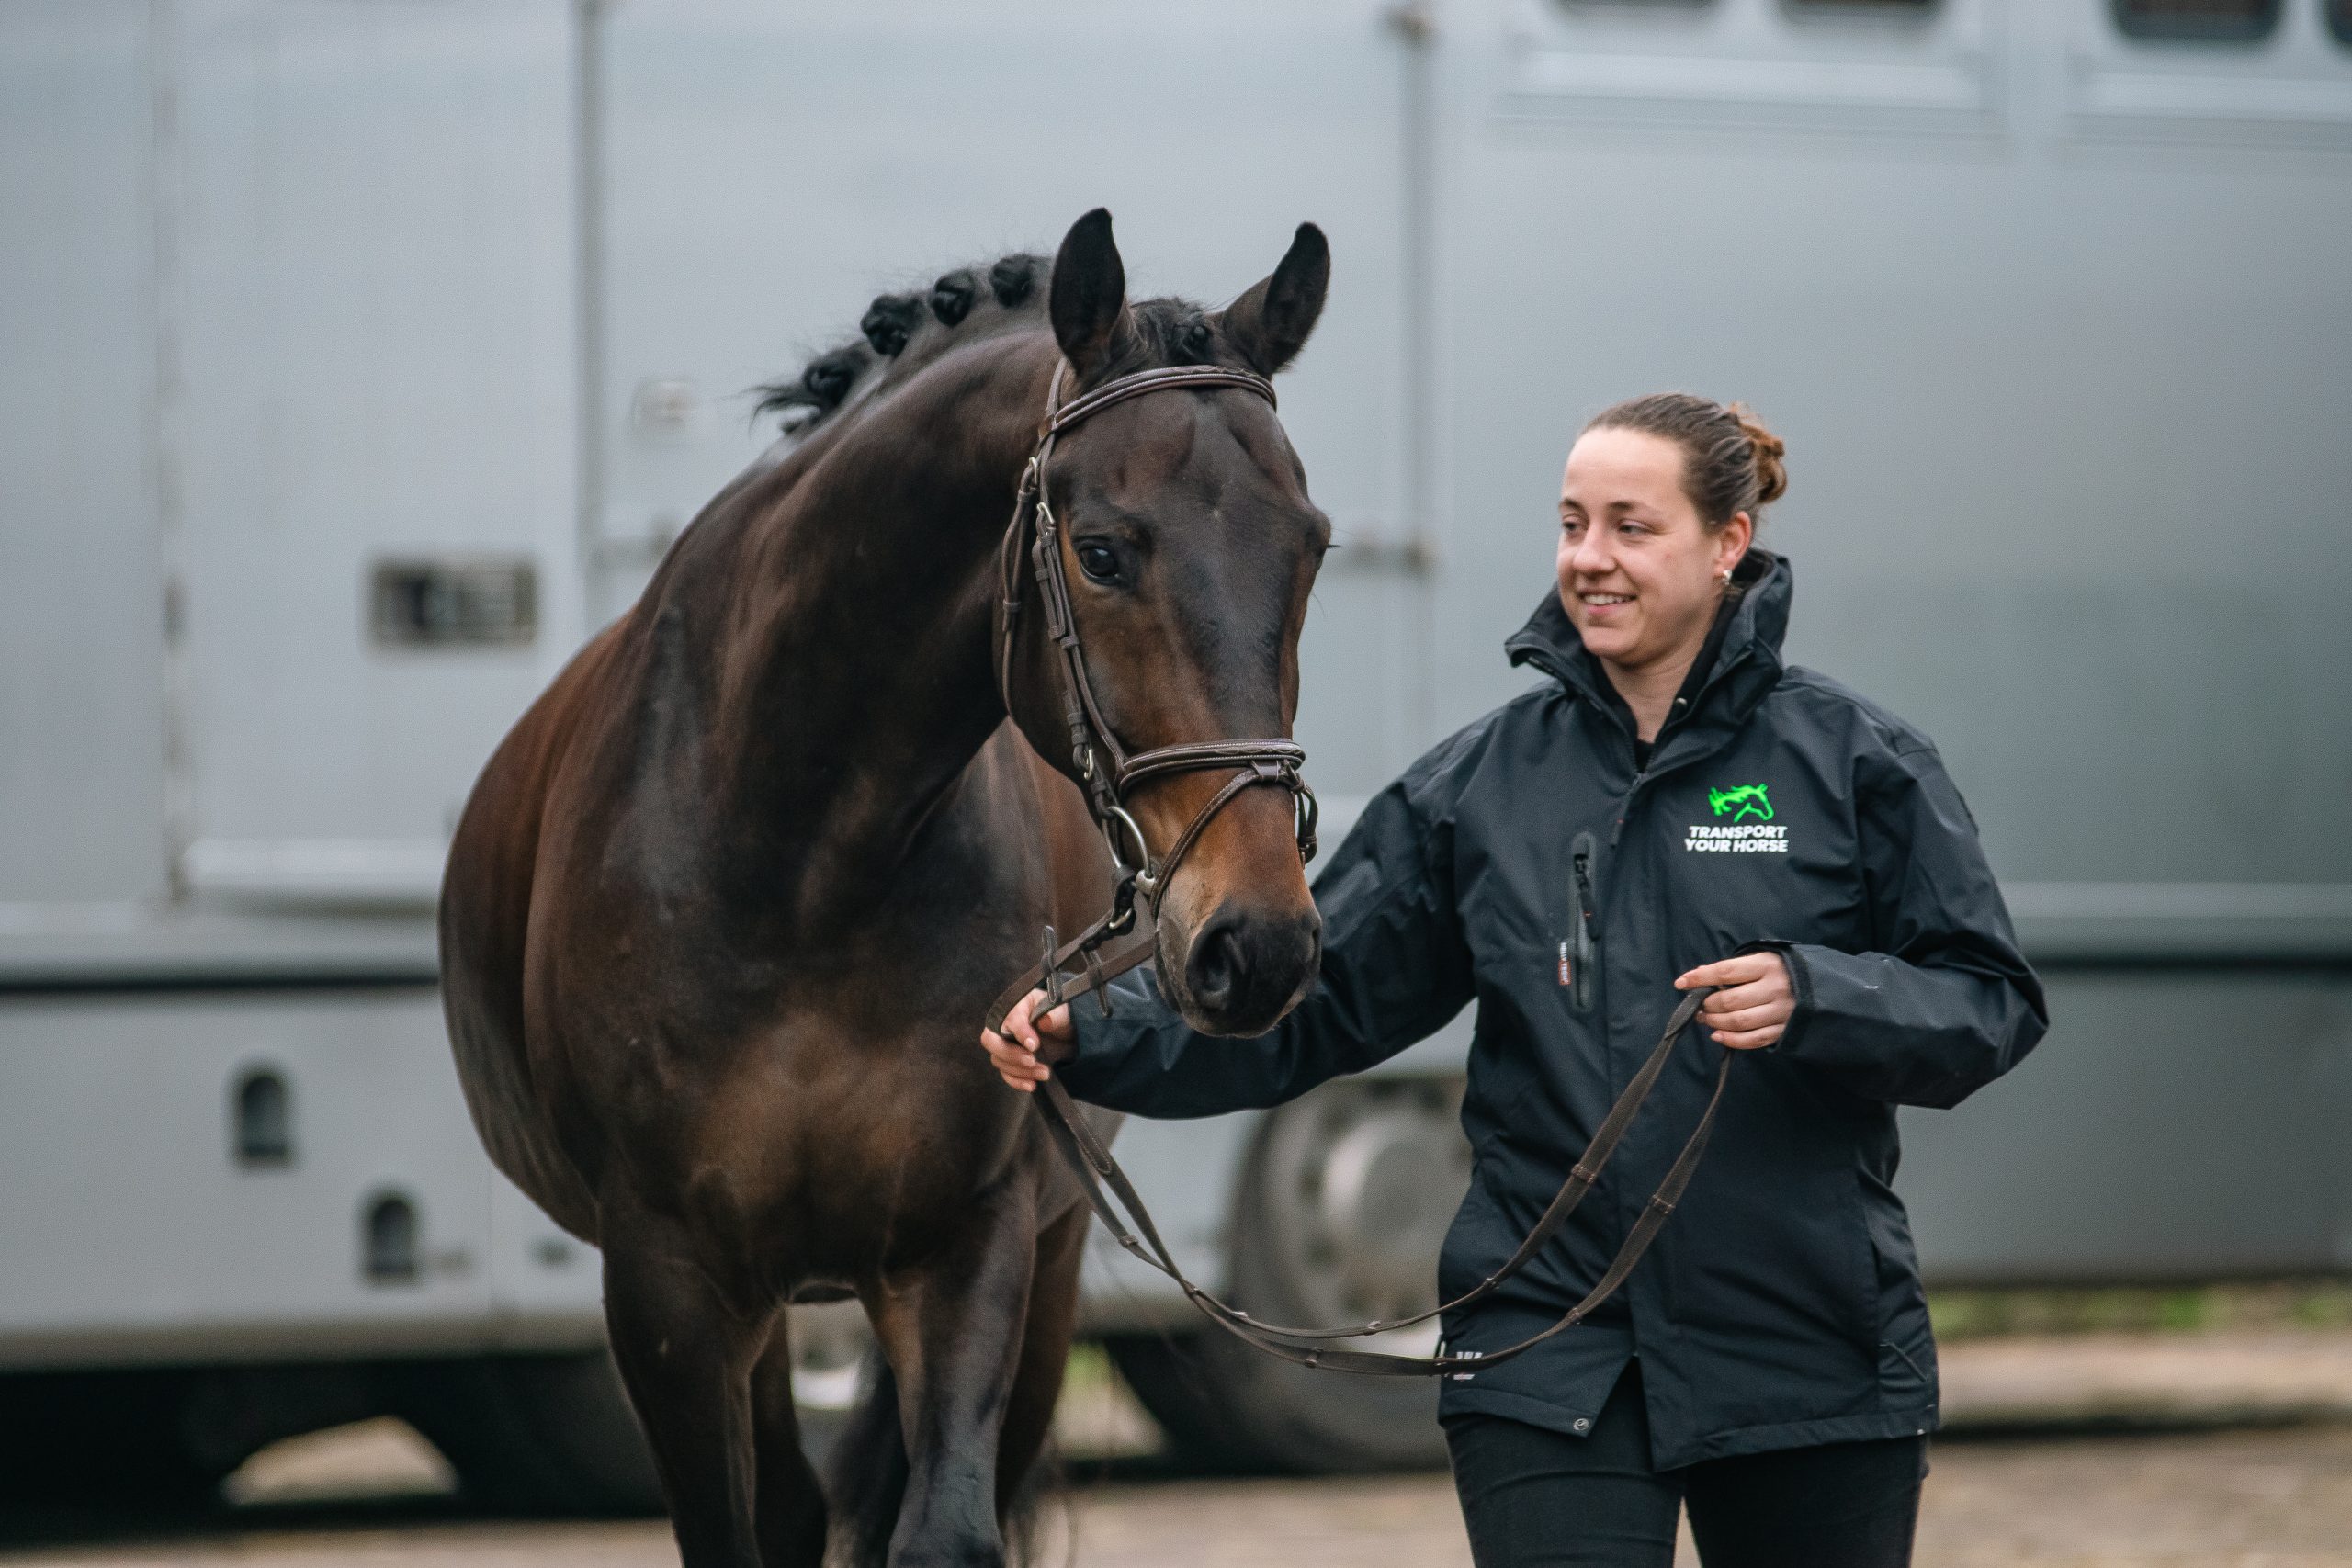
{"x":1099,"y":561}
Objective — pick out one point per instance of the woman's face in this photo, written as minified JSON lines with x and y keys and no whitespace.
{"x":1640,"y":574}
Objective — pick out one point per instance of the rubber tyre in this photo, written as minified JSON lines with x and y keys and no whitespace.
{"x":1230,"y":1410}
{"x":545,"y":1435}
{"x":114,"y":1438}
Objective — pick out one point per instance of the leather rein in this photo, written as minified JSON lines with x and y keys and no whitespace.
{"x":1082,"y":965}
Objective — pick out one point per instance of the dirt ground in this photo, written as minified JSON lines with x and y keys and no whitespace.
{"x":2277,"y":1498}
{"x":2111,"y":1451}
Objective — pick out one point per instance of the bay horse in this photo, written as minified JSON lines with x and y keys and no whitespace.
{"x":725,"y":909}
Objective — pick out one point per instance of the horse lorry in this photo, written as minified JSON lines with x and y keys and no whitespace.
{"x":358,"y":360}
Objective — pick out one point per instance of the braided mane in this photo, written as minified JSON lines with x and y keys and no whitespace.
{"x":901,"y":332}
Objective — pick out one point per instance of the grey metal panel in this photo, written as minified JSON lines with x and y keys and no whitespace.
{"x":2287,"y":90}
{"x":81,"y":577}
{"x":378,"y":364}
{"x":96,"y":946}
{"x":2176,"y":1125}
{"x":151,"y":1241}
{"x":1758,"y":64}
{"x":2205,"y":922}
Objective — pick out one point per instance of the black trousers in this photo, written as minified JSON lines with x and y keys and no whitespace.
{"x":1535,"y":1498}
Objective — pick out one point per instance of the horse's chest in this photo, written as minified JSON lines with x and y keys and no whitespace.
{"x":834,"y":1155}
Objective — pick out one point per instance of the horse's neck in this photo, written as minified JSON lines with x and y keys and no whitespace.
{"x":854,"y":681}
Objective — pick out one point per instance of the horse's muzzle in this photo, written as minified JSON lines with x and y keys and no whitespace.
{"x":1245,"y":968}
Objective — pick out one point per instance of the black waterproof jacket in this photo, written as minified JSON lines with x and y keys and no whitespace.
{"x":1529,"y":865}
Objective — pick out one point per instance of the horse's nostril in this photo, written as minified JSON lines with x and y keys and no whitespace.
{"x":1221,"y":968}
{"x":1245,"y":969}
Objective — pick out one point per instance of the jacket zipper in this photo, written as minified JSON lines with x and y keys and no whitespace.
{"x":1576,"y":954}
{"x":1625,"y":809}
{"x":1641,"y":777}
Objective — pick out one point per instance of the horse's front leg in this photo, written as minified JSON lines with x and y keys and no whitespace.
{"x":686,"y":1359}
{"x":952,"y":1328}
{"x":1044,"y":1350}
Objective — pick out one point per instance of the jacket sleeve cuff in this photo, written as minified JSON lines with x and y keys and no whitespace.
{"x":1100,"y":1045}
{"x":1800,"y":981}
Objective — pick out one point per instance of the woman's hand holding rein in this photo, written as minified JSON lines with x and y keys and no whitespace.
{"x":1019,"y":1054}
{"x":1750,"y":1009}
{"x":1753,"y":1001}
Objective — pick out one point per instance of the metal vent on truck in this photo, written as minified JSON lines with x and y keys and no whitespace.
{"x":388,"y":1241}
{"x":262,"y":1120}
{"x":453,"y":601}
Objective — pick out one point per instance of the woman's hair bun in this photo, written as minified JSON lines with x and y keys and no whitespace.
{"x":1771,"y":472}
{"x":1731,"y":464}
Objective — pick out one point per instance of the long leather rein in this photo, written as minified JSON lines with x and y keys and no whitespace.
{"x":1089,"y":962}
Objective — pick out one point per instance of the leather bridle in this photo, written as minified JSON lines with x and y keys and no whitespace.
{"x":1106,"y":770}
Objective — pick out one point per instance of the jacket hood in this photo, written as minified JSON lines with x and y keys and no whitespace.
{"x":1747,"y":661}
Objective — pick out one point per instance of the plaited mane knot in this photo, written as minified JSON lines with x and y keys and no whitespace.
{"x":891,"y":320}
{"x":1167,"y":332}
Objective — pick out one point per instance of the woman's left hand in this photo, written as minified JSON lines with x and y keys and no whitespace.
{"x":1753,"y":999}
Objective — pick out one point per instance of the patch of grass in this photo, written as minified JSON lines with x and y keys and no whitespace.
{"x":2178,"y":1309}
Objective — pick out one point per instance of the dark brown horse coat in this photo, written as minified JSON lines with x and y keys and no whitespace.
{"x":726,"y":906}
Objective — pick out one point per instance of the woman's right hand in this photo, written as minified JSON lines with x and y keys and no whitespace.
{"x":1021,"y":1053}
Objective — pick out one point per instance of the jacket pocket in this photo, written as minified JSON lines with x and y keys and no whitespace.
{"x":1905,"y":1342}
{"x":1866,"y":1315}
{"x":1791,"y":1257}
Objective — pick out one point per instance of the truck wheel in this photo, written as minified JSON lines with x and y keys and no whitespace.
{"x":534,"y":1434}
{"x":1337,"y":1219}
{"x":116,"y":1437}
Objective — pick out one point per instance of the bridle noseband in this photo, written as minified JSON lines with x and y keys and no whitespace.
{"x":1107,"y":770}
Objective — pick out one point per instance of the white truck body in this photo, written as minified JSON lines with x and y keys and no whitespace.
{"x":361,"y":359}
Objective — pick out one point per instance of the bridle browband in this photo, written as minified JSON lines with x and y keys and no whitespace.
{"x":1106,"y":770}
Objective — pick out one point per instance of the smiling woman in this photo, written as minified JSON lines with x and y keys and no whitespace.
{"x":1674,"y":802}
{"x":1658,"y":507}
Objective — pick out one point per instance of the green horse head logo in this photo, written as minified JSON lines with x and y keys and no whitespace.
{"x":1741,"y":802}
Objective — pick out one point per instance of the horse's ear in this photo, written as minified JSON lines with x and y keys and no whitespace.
{"x":1270,"y":323}
{"x":1088,"y":301}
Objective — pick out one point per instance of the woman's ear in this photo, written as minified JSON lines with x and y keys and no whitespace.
{"x":1731,"y":544}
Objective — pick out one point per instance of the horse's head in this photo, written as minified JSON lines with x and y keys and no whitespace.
{"x":1189,"y":546}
